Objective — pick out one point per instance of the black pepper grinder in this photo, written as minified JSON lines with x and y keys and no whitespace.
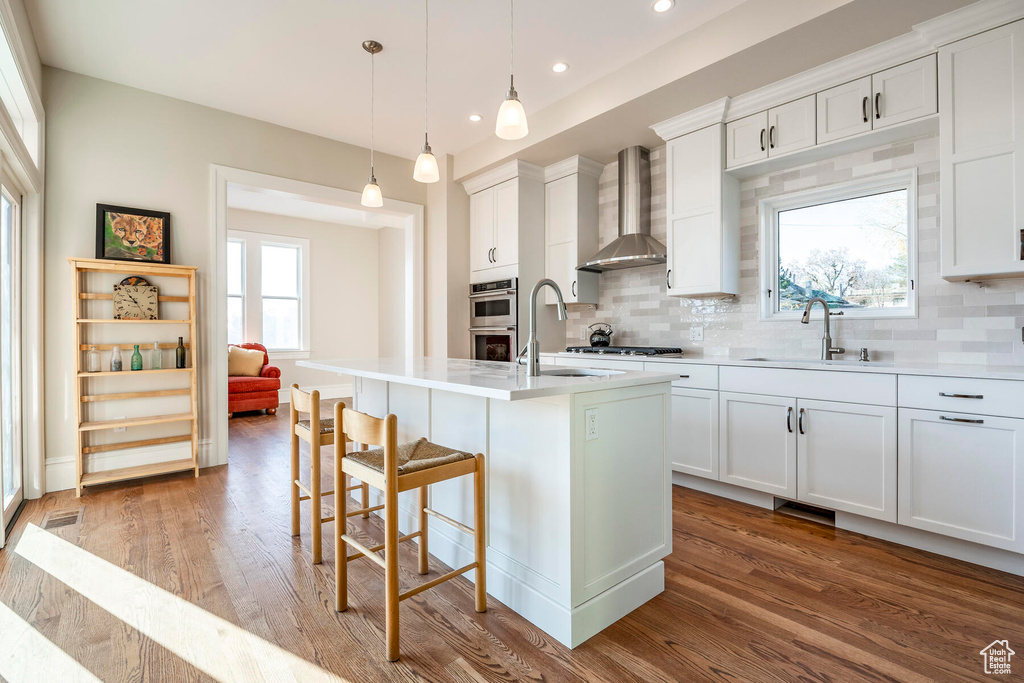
{"x":179,"y":354}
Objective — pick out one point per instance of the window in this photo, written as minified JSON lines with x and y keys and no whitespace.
{"x":268,"y":292}
{"x":852,"y":245}
{"x":236,"y":291}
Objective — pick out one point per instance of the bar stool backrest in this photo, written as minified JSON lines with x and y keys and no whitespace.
{"x":372,"y":431}
{"x":303,"y":402}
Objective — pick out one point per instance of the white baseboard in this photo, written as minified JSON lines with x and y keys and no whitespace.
{"x":60,"y":472}
{"x":330,"y":391}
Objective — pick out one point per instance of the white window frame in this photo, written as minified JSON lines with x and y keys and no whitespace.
{"x":245,"y":293}
{"x":769,"y":209}
{"x":253,"y":289}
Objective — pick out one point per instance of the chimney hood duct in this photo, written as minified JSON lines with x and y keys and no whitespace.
{"x":634,"y":246}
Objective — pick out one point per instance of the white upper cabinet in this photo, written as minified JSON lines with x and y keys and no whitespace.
{"x":494,"y":227}
{"x":844,"y":110}
{"x":791,"y":127}
{"x":981,"y":145}
{"x":703,"y":217}
{"x":481,"y":230}
{"x":746,"y":140}
{"x":904,"y":92}
{"x":571,"y":229}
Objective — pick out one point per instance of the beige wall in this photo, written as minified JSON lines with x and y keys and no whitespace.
{"x":391,"y":288}
{"x":342,"y":261}
{"x":114,"y":144}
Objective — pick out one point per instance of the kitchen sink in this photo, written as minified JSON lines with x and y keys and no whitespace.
{"x":579,"y":372}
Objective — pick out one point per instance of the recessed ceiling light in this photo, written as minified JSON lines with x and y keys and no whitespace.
{"x":663,"y":5}
{"x":560,"y":67}
{"x":474,"y":117}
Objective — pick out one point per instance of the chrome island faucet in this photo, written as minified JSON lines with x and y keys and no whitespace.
{"x":827,"y":350}
{"x":532,"y":348}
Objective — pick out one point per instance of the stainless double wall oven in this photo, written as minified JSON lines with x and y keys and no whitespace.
{"x":494,"y":320}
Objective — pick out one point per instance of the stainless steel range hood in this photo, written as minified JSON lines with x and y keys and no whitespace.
{"x":634,"y":246}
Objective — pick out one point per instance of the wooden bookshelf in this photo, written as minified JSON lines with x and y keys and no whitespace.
{"x":88,"y":399}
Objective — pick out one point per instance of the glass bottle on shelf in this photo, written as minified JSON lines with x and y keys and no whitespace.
{"x":156,"y":361}
{"x":136,"y":359}
{"x":179,"y":354}
{"x":115,"y":359}
{"x":92,"y":360}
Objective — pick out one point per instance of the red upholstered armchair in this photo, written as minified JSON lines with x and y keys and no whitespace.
{"x":255,"y":393}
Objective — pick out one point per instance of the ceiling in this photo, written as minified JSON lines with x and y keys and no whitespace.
{"x":301,"y":65}
{"x":279,"y":203}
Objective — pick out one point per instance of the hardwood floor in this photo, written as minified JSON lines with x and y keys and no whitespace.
{"x":751,"y":595}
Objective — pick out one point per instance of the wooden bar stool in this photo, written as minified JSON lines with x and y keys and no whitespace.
{"x":393,"y":469}
{"x":317,"y":433}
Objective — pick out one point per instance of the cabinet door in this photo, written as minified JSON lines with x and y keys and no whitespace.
{"x":963,"y":476}
{"x":846,"y":457}
{"x":481,"y":229}
{"x":561,"y":220}
{"x":904,"y":92}
{"x":981,"y":154}
{"x":758,"y":443}
{"x":693,"y":436}
{"x":506,"y":223}
{"x":746,"y":140}
{"x":844,"y":110}
{"x":792,"y":126}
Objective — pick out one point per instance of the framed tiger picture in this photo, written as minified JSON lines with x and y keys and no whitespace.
{"x":124,"y":234}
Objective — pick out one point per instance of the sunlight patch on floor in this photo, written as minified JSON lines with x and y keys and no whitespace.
{"x":27,"y":655}
{"x":215,"y":646}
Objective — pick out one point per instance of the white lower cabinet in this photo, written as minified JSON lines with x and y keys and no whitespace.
{"x":693,"y":440}
{"x":758,"y":442}
{"x":846,"y":457}
{"x":962,"y":475}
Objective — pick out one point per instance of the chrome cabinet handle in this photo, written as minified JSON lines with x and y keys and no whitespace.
{"x":800,"y":422}
{"x":762,"y":139}
{"x":771,"y":137}
{"x":961,"y":419}
{"x":878,"y":106}
{"x":943,"y":394}
{"x":668,"y":279}
{"x":864,"y":108}
{"x":574,"y":288}
{"x":789,"y":419}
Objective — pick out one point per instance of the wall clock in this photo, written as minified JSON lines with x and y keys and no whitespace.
{"x":135,"y":299}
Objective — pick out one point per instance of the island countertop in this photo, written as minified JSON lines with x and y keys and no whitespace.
{"x":503,"y":381}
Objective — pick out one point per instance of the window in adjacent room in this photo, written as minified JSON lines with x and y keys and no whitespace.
{"x":853,"y":245}
{"x":268,"y":292}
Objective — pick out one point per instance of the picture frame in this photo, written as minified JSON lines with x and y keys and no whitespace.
{"x":127,"y":234}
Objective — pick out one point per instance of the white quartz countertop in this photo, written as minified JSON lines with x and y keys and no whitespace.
{"x":504,"y":381}
{"x":1012,"y":372}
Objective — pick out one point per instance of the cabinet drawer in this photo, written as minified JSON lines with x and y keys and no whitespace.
{"x":1001,"y":397}
{"x":823,"y":385}
{"x":602,"y":364}
{"x":691,"y":376}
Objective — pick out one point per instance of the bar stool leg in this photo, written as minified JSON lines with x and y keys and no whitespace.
{"x":295,"y":476}
{"x":340,"y":547}
{"x":480,"y":525}
{"x":391,"y":568}
{"x":421,"y":504}
{"x":315,"y":499}
{"x":365,"y":499}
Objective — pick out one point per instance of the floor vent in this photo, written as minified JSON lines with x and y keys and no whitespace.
{"x":56,"y":519}
{"x":804,"y":511}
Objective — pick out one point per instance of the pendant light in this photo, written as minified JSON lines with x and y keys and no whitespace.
{"x":425,"y":170}
{"x":511,"y":124}
{"x":372,"y":196}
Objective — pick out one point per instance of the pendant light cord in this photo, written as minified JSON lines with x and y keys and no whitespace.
{"x":371,"y":114}
{"x":511,"y":43}
{"x":426,"y":70}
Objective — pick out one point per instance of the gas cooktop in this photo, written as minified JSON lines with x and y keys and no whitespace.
{"x":627,"y":350}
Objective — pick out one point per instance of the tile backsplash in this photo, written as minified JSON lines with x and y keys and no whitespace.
{"x":957,"y":322}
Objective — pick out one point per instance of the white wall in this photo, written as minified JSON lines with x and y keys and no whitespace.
{"x":342,"y":268}
{"x":114,"y":144}
{"x":391,"y":287}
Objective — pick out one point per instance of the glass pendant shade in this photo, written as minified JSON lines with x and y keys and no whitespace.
{"x":426,"y":167}
{"x":511,"y":124}
{"x":372,"y":196}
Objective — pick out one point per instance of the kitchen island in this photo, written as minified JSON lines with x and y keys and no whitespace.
{"x":577,"y":474}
